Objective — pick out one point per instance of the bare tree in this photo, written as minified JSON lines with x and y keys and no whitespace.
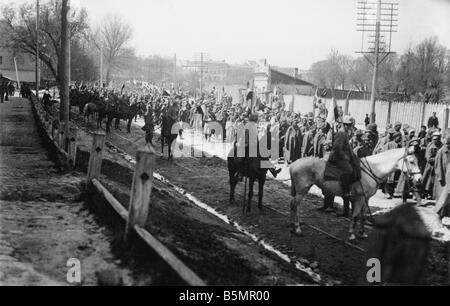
{"x":21,"y":31}
{"x":113,"y":35}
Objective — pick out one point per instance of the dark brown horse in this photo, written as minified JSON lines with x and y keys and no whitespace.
{"x":250,"y":167}
{"x":167,"y":136}
{"x":121,"y":110}
{"x":253,"y":168}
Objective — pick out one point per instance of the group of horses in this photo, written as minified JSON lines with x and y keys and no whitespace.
{"x":115,"y":107}
{"x":90,"y":104}
{"x":309,"y":171}
{"x":304,"y":173}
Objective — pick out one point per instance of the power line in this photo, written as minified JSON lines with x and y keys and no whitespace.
{"x":385,"y":21}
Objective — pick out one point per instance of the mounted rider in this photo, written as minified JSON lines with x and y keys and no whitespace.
{"x":250,"y":129}
{"x":342,"y":164}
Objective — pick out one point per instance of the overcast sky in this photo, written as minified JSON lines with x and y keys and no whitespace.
{"x":292,"y":33}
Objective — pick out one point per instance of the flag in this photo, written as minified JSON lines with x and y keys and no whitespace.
{"x":333,"y":113}
{"x":291,"y":105}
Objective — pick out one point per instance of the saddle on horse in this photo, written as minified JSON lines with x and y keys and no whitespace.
{"x":249,"y":165}
{"x":342,"y":165}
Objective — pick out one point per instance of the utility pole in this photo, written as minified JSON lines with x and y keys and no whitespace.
{"x":375,"y":64}
{"x":17,"y":73}
{"x":65,"y":68}
{"x":101,"y":65}
{"x":201,"y":74}
{"x":37,"y":50}
{"x":174,"y":67}
{"x":385,"y":21}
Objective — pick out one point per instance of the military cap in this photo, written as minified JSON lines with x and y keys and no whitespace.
{"x":414,"y":141}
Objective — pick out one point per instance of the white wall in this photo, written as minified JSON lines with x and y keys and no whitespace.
{"x":405,"y":112}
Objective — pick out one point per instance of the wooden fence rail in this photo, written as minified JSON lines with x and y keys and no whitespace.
{"x":66,"y":145}
{"x":139,"y":207}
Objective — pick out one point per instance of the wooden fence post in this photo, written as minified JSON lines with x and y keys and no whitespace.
{"x":55,"y":134}
{"x":61,"y":137}
{"x":72,"y":147}
{"x":445,"y":118}
{"x":95,"y":158}
{"x":141,"y":188}
{"x":388,"y":120}
{"x":422,"y":120}
{"x":50,"y":128}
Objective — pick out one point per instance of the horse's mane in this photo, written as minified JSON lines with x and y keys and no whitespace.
{"x":381,"y":157}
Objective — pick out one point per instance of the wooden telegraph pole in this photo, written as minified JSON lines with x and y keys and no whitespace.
{"x":385,"y":21}
{"x":375,"y":64}
{"x":37,"y":50}
{"x":201,"y":74}
{"x":65,"y":70}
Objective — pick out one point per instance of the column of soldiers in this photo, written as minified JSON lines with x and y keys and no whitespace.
{"x":303,"y":137}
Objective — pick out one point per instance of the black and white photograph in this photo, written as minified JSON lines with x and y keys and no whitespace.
{"x":225,"y":148}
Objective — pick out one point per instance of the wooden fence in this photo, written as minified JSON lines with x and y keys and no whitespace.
{"x":65,"y":145}
{"x":413,"y":113}
{"x":137,"y":216}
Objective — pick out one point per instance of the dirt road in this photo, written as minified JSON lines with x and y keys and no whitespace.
{"x":44,"y":221}
{"x":323,"y":244}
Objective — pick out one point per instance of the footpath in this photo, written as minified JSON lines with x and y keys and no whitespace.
{"x":43,"y":222}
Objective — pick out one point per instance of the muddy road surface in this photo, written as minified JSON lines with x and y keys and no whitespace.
{"x":323,"y":247}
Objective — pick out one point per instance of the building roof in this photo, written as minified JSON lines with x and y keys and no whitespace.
{"x":278,"y":77}
{"x":24,"y":76}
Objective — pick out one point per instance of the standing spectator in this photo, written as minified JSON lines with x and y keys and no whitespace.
{"x":319,"y":141}
{"x":433,"y":121}
{"x":429,"y":173}
{"x":149,"y":126}
{"x":441,"y":162}
{"x":389,"y":136}
{"x":362,"y":148}
{"x":293,"y":143}
{"x":11,"y":89}
{"x":395,"y":139}
{"x":372,"y":136}
{"x":423,"y":132}
{"x":2,"y":91}
{"x":6,"y":91}
{"x":308,"y":142}
{"x":367,"y":120}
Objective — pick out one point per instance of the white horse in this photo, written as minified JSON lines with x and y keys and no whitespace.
{"x":374,"y":170}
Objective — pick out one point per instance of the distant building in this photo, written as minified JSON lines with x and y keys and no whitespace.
{"x":25,"y":62}
{"x":268,"y":79}
{"x":213,"y":71}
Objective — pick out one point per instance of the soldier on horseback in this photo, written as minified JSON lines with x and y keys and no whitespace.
{"x":247,"y":159}
{"x":342,"y":164}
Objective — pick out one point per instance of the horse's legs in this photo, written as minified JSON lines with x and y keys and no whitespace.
{"x":352,"y":228}
{"x":251,"y":182}
{"x":171,"y":140}
{"x":117,"y":124}
{"x":233,"y":183}
{"x":295,"y":214}
{"x":357,"y":205}
{"x":362,"y":215}
{"x":129,"y":125}
{"x":261,"y":182}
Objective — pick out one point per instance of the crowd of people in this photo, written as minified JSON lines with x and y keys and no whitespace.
{"x":300,"y":135}
{"x":7,"y":89}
